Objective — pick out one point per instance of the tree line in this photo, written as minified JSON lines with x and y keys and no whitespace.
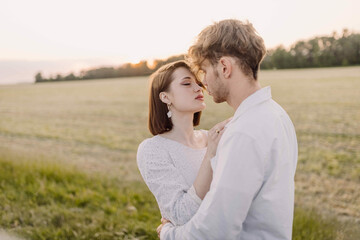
{"x":126,"y":70}
{"x":324,"y":51}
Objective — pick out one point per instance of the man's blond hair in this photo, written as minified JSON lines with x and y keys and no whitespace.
{"x":229,"y":37}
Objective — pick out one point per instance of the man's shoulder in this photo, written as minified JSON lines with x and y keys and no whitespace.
{"x":261,"y":119}
{"x":262,"y":113}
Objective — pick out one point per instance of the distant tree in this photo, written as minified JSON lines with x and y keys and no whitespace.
{"x":58,"y":77}
{"x":38,"y":77}
{"x":71,"y":76}
{"x":281,"y":58}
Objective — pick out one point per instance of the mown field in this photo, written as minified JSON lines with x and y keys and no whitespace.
{"x":68,"y":155}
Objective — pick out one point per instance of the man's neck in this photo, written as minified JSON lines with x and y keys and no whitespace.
{"x":240,"y":90}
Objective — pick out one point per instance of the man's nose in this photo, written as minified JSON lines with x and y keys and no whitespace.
{"x":204,"y":82}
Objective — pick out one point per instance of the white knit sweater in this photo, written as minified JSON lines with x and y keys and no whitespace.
{"x":169,"y":169}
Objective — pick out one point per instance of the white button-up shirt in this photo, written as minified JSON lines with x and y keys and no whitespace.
{"x":252,"y":192}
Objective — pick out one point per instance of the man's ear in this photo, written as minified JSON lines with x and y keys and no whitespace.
{"x":226,"y":66}
{"x":164,"y":98}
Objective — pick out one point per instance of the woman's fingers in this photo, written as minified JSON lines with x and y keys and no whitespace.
{"x":223,"y":123}
{"x":164,"y":221}
{"x":214,"y":136}
{"x":158,"y":230}
{"x":220,"y":126}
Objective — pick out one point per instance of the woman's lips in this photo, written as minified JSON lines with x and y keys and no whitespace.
{"x":200,"y":97}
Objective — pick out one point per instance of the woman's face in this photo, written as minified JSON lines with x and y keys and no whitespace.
{"x":185,"y":94}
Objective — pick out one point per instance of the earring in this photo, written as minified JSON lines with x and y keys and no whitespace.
{"x":169,"y":113}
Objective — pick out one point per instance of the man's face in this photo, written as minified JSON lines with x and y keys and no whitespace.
{"x":213,"y":82}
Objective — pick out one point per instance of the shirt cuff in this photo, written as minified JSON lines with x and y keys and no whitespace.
{"x":164,"y":229}
{"x":193,"y":195}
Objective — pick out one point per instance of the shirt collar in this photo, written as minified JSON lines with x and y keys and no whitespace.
{"x":254,"y":99}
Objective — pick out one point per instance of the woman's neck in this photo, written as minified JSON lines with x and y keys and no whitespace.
{"x":183,"y":129}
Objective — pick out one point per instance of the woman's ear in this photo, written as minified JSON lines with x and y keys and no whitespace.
{"x":226,"y":66}
{"x":164,"y":97}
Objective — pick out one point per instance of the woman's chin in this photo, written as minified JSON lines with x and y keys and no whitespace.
{"x":202,"y":107}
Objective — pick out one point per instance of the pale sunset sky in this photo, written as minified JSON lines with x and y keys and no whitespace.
{"x":61,"y":36}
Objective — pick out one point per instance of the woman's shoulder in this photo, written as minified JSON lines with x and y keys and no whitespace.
{"x":149,"y":144}
{"x":154,"y":147}
{"x":151,"y":152}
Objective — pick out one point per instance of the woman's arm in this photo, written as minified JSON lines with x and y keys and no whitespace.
{"x":177,"y":202}
{"x":204,"y":177}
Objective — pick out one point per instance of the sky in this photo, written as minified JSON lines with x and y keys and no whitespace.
{"x":63,"y":36}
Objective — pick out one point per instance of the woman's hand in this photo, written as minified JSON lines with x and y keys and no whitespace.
{"x":214,"y":136}
{"x":203,"y":179}
{"x":163,"y":222}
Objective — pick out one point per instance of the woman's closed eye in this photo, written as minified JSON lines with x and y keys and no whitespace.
{"x":187,"y":81}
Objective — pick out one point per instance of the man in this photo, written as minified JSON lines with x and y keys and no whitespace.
{"x":252,"y":192}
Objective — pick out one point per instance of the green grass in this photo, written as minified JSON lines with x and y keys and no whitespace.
{"x":42,"y":200}
{"x":310,"y":225}
{"x":68,"y":155}
{"x":48,"y":201}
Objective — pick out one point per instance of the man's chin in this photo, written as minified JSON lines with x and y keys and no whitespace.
{"x":218,"y":100}
{"x":216,"y":97}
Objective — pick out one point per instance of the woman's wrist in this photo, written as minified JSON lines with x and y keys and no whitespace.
{"x":209,"y":155}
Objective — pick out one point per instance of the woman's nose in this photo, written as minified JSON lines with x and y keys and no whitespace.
{"x":197,"y":88}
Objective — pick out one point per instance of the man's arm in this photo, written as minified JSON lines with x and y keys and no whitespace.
{"x":237,"y":179}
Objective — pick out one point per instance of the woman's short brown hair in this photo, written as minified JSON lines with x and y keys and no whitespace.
{"x":160,"y":82}
{"x":229,"y":37}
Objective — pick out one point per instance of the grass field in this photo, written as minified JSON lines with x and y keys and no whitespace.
{"x":68,"y":155}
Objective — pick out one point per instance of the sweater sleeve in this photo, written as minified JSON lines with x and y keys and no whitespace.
{"x":177,"y":202}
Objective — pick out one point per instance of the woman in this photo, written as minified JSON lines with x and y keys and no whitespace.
{"x":175,"y":163}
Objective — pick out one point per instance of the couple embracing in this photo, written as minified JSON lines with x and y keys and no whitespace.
{"x":236,"y":180}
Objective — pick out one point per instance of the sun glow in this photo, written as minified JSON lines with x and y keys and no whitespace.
{"x":133,"y":31}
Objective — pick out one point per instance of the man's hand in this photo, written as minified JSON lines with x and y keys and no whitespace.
{"x":163,"y":222}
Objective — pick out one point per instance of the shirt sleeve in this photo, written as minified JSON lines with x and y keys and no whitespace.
{"x":177,"y":202}
{"x":236,"y":181}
